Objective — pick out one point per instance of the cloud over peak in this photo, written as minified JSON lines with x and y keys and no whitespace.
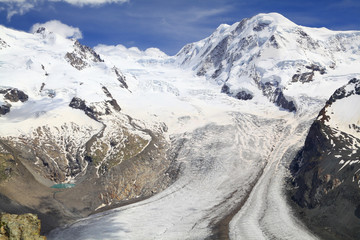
{"x":89,"y":2}
{"x":21,"y":7}
{"x":59,"y":28}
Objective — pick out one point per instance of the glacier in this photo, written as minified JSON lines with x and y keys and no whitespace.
{"x":232,"y":155}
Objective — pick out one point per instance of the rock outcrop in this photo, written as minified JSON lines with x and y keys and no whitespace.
{"x":82,"y":56}
{"x":4,"y":109}
{"x":20,"y":227}
{"x":326,"y":171}
{"x":11,"y":95}
{"x":3,"y":44}
{"x":120,"y":77}
{"x":15,"y":95}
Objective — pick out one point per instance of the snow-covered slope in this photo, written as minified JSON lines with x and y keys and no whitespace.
{"x":342,"y":111}
{"x":270,"y":55}
{"x":60,"y":78}
{"x":124,"y":124}
{"x":62,"y":122}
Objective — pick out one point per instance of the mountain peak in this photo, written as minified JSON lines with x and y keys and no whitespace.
{"x":267,"y":55}
{"x":275,"y":18}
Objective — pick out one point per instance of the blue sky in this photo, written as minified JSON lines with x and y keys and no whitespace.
{"x":169,"y":24}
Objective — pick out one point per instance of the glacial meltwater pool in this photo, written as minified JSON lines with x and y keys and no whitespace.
{"x":63,"y":185}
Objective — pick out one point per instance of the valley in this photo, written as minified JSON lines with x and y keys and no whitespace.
{"x":200,"y":145}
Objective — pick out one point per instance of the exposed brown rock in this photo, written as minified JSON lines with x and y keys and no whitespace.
{"x":20,"y":227}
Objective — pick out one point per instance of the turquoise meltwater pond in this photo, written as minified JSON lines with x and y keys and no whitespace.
{"x":63,"y":185}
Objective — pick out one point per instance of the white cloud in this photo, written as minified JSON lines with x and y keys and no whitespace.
{"x":14,"y":7}
{"x":59,"y":28}
{"x":89,"y":2}
{"x":122,"y":52}
{"x":21,"y":7}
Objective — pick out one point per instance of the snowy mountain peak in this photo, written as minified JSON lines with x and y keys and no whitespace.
{"x":268,"y":55}
{"x":126,"y":125}
{"x":40,"y":30}
{"x":262,"y":20}
{"x":258,"y":23}
{"x":82,"y":56}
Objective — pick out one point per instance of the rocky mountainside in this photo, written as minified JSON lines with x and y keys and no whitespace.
{"x":326,"y":171}
{"x":269,"y":55}
{"x":208,"y":133}
{"x":61,"y":124}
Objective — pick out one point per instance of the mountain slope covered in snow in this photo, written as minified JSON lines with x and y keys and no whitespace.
{"x":209,"y":132}
{"x":272,"y":56}
{"x":61,"y":123}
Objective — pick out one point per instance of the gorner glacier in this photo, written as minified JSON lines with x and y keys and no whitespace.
{"x":208,"y":144}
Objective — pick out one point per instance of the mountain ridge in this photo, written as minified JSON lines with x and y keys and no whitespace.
{"x":123,"y":125}
{"x":265,"y":54}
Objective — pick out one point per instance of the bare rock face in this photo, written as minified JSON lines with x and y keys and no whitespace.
{"x":78,"y":103}
{"x":281,"y":101}
{"x":276,"y":95}
{"x":14,"y":95}
{"x":120,"y":77}
{"x":20,"y":227}
{"x":82,"y":56}
{"x":11,"y":95}
{"x":305,"y":77}
{"x":75,"y":61}
{"x":4,"y":109}
{"x":241,"y":95}
{"x":3,"y":44}
{"x":112,"y":100}
{"x":94,"y":111}
{"x":326,"y":174}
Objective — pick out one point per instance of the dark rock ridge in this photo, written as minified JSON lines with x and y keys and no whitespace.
{"x":308,"y":76}
{"x":49,"y":92}
{"x":241,"y":95}
{"x":12,"y":95}
{"x":274,"y":42}
{"x":41,"y":30}
{"x":277,"y":96}
{"x":82,"y":56}
{"x":114,"y":104}
{"x":20,"y":227}
{"x":78,"y":103}
{"x":225,"y":89}
{"x":4,"y":109}
{"x":326,"y":188}
{"x":91,"y":110}
{"x":43,"y":68}
{"x":303,"y":77}
{"x":120,"y":77}
{"x":343,"y":93}
{"x":3,"y":44}
{"x":15,"y":95}
{"x":281,"y":101}
{"x":244,"y":95}
{"x":113,"y":101}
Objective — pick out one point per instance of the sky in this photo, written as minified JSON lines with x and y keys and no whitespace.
{"x":165,"y":24}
